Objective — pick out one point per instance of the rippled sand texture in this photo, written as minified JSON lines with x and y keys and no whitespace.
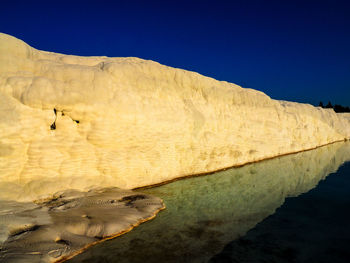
{"x":55,"y":229}
{"x":205,"y":213}
{"x":128,"y":122}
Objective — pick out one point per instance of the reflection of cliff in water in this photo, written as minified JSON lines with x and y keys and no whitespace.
{"x":205,"y":213}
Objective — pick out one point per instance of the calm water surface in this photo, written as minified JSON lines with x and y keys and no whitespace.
{"x":313,"y":227}
{"x":242,"y":215}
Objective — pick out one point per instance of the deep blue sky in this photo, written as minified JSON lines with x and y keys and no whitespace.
{"x":292,"y":50}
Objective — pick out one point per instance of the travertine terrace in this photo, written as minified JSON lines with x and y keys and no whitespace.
{"x":77,"y":122}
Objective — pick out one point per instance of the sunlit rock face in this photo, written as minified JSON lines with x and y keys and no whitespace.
{"x":205,"y":213}
{"x":69,"y":121}
{"x":345,"y":115}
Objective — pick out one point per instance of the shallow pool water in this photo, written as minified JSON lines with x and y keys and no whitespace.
{"x":242,"y":215}
{"x":314,"y":227}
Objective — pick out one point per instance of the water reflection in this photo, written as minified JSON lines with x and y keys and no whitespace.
{"x":205,"y":213}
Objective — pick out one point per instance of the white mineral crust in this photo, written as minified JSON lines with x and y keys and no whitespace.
{"x":77,"y":122}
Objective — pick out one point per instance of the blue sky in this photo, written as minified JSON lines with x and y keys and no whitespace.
{"x":291,"y":50}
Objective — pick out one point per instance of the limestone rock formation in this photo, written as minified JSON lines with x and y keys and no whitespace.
{"x":77,"y":122}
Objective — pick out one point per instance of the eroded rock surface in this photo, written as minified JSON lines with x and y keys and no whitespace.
{"x":57,"y":228}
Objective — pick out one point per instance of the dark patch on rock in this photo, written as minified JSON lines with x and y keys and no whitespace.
{"x":23,"y":230}
{"x":63,"y":242}
{"x":129,"y":200}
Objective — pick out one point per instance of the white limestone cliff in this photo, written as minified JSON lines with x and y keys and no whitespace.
{"x":77,"y":122}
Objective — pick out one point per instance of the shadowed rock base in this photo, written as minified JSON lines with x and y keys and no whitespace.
{"x":56,"y":229}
